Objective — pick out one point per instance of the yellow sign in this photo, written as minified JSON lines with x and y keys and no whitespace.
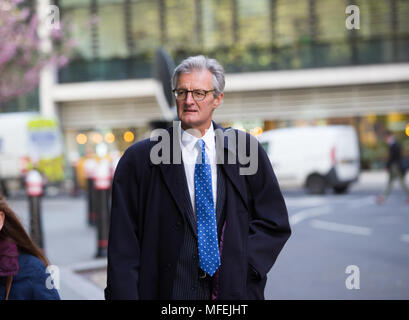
{"x":45,"y":148}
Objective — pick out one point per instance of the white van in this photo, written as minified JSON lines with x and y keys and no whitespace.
{"x":27,"y":138}
{"x":316,"y":158}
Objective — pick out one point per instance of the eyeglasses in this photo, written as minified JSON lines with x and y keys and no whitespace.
{"x":198,"y":95}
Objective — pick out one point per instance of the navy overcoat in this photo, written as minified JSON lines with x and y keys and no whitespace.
{"x":148,"y":219}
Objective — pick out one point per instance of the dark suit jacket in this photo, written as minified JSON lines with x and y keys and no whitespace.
{"x":149,"y":217}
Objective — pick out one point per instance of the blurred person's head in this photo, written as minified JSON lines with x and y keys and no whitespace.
{"x":12,"y":230}
{"x":390,"y":137}
{"x":205,"y":77}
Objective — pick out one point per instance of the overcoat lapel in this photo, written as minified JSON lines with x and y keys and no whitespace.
{"x":175,"y":179}
{"x":232,"y":170}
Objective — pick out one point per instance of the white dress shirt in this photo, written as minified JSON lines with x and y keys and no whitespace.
{"x":190,"y":151}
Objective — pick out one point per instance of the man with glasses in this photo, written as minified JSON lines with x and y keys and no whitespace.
{"x":195,"y":229}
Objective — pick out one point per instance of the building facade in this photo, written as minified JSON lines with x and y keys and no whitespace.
{"x":288,"y":63}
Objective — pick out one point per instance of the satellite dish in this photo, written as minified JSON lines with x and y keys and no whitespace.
{"x":162,"y":72}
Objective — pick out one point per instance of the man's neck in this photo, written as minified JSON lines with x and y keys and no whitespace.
{"x":197,"y":132}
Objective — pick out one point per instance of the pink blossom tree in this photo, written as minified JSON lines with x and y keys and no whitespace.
{"x":21,"y":57}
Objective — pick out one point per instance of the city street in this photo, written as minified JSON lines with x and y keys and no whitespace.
{"x":333,"y":232}
{"x":330,"y":234}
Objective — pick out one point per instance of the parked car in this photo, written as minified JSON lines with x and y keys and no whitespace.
{"x":316,"y":158}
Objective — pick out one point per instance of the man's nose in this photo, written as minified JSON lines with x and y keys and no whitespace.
{"x":189,"y":98}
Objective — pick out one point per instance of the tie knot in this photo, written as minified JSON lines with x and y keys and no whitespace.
{"x":202,"y":153}
{"x":200,"y":144}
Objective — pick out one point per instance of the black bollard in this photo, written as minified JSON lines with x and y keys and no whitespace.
{"x":89,"y":166}
{"x":34,"y":188}
{"x":73,"y":160}
{"x":36,"y":231}
{"x":75,"y":187}
{"x":91,"y":202}
{"x":102,"y":185}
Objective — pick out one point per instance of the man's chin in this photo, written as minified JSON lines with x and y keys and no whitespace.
{"x":186,"y":125}
{"x":190,"y":121}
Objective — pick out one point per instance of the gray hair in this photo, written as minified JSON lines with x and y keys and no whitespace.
{"x":201,"y":63}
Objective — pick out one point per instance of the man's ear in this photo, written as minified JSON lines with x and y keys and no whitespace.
{"x":218,"y":100}
{"x":2,"y":217}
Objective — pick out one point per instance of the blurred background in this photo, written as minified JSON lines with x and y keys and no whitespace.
{"x":85,"y":79}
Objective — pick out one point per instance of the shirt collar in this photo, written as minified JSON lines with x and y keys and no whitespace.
{"x":189,"y":141}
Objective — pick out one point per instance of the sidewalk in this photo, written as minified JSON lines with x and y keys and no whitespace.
{"x":84,"y":280}
{"x":371,"y":180}
{"x":70,"y":243}
{"x":375,"y":181}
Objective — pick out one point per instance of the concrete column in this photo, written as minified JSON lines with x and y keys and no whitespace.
{"x":47,"y":75}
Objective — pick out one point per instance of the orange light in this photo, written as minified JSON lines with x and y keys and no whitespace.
{"x":407,"y":129}
{"x":394,"y":117}
{"x":97,"y":138}
{"x":256,"y":131}
{"x":129,"y":136}
{"x":81,"y":138}
{"x":109,"y":137}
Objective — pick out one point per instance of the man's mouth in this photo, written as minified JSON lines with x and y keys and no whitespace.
{"x":189,"y":110}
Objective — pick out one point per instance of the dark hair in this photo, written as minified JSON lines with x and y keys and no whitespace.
{"x":13,"y":230}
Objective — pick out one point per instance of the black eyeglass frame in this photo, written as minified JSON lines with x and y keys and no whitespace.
{"x":192,"y":91}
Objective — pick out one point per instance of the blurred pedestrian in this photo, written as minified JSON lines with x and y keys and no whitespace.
{"x":23,"y":265}
{"x":3,"y":187}
{"x":395,"y":168}
{"x":165,"y":215}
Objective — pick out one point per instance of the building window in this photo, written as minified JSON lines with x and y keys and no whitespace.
{"x":217,"y":23}
{"x":375,"y":18}
{"x":180,"y":24}
{"x":254,"y":22}
{"x":292,"y":21}
{"x":111,"y":31}
{"x":145,"y":26}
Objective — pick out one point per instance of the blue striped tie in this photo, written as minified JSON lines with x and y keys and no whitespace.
{"x":209,"y":258}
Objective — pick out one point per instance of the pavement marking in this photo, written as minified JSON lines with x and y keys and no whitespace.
{"x":305,"y":201}
{"x":405,"y":237}
{"x":308,"y":213}
{"x":321,"y":210}
{"x":362,"y":202}
{"x":338,"y":227}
